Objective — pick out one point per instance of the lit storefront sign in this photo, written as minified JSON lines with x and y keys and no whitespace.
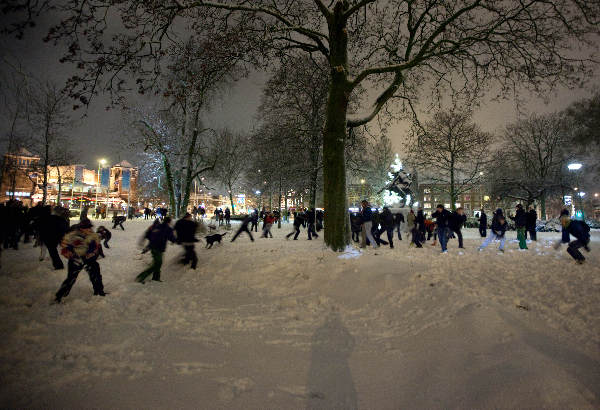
{"x":27,"y":194}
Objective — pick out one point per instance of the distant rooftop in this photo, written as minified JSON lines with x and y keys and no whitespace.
{"x":124,"y":164}
{"x":23,"y":153}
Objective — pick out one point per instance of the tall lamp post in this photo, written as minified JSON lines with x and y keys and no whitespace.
{"x":576,"y":167}
{"x":362,"y":191}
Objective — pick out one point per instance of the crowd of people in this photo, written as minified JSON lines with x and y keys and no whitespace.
{"x":368,"y":225}
{"x":49,"y":228}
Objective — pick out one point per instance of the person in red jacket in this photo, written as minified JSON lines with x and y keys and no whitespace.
{"x":269,"y":219}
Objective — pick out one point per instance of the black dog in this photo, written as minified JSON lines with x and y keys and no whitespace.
{"x":118,"y":221}
{"x":211,"y":239}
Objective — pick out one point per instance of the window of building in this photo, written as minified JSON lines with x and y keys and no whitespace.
{"x":427,"y":205}
{"x":447,"y":206}
{"x":427,"y":191}
{"x":467,"y":198}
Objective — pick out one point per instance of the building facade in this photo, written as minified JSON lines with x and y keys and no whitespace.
{"x":68,"y":185}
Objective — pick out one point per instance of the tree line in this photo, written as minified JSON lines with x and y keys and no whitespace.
{"x":527,"y":161}
{"x":400,"y":50}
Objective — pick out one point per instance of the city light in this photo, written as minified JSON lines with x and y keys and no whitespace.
{"x":257,"y":192}
{"x":596,"y":195}
{"x":574,"y":166}
{"x":362,"y":181}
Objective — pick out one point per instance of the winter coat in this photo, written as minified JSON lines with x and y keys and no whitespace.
{"x":186,"y":231}
{"x":159,"y":235}
{"x":355,"y":223}
{"x":579,"y":230}
{"x":531,"y":219}
{"x":52,"y":228}
{"x":298,"y":220}
{"x":310,"y":216}
{"x":269,"y":219}
{"x":367,"y":214}
{"x":499,"y":229}
{"x":387,"y":219}
{"x":246,"y":221}
{"x":457,"y":221}
{"x":410,"y":220}
{"x":398,"y":218}
{"x":83,"y":244}
{"x":483,"y":220}
{"x":442,"y":218}
{"x":520,"y":218}
{"x":420,"y":219}
{"x":429,"y":225}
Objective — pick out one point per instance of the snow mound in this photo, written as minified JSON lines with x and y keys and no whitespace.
{"x":350,"y":253}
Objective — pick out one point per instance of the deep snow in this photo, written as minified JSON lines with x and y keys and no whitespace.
{"x":279,"y":324}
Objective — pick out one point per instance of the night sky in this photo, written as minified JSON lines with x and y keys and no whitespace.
{"x":98,"y":134}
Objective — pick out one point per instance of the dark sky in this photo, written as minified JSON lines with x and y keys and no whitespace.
{"x":98,"y":135}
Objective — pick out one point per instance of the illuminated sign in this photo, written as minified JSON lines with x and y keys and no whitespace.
{"x":17,"y":193}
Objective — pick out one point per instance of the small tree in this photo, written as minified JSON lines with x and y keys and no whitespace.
{"x":14,"y":84}
{"x":451,"y":152}
{"x":174,"y":132}
{"x":48,"y":118}
{"x":233,"y":152}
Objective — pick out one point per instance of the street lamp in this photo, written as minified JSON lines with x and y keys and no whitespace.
{"x":576,"y":166}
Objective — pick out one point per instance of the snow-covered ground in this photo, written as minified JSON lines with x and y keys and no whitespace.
{"x":279,"y":324}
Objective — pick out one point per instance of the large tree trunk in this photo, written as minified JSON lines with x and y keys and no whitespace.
{"x":46,"y":158}
{"x":543,"y":205}
{"x":231,"y":201}
{"x":170,"y":183}
{"x":279,"y":205}
{"x":313,"y":187}
{"x":452,"y":188}
{"x":334,"y":163}
{"x":59,"y":195}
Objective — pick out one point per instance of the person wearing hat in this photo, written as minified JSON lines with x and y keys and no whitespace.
{"x":520,"y":219}
{"x":367,"y":218}
{"x":157,"y":238}
{"x":581,"y":231}
{"x":442,"y":219}
{"x":386,"y":220}
{"x":482,"y":223}
{"x":81,"y":247}
{"x":186,"y":229}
